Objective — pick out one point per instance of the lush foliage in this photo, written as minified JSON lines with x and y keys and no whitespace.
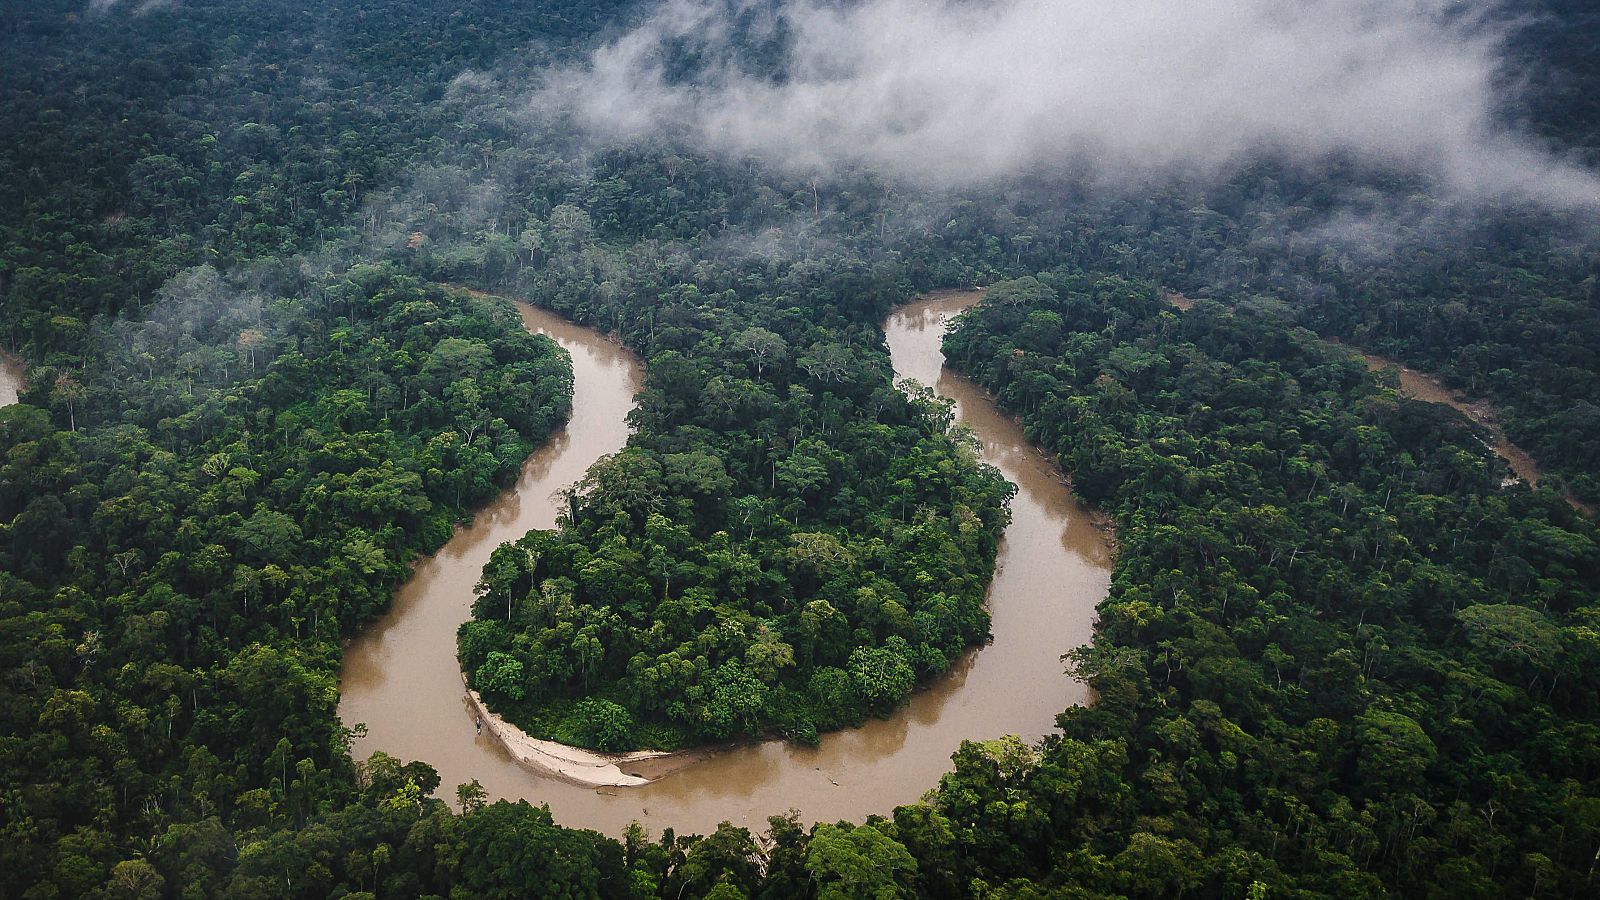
{"x":1337,"y":656}
{"x":235,"y":489}
{"x":1506,"y":306}
{"x":787,"y":544}
{"x":141,"y":138}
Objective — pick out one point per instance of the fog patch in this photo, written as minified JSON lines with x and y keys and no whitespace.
{"x":101,"y":7}
{"x":203,"y":329}
{"x":966,"y":93}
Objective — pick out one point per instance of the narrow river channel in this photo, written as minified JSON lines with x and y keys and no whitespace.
{"x":1428,"y":389}
{"x":401,"y":677}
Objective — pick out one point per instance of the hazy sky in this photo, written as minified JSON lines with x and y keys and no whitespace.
{"x":961,"y":93}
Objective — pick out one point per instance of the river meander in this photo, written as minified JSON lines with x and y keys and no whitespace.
{"x":401,"y":678}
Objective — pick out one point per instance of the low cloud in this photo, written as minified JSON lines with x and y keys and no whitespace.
{"x":962,"y":93}
{"x":101,"y":7}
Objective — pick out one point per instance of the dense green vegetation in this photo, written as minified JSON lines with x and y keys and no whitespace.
{"x":1553,"y":94}
{"x":1337,"y":660}
{"x":787,"y":544}
{"x":193,"y":524}
{"x":1505,"y":307}
{"x":1337,"y":656}
{"x":222,"y":132}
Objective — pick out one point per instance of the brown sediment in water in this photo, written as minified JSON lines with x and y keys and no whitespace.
{"x":401,"y":678}
{"x":1429,"y":389}
{"x":1422,"y":386}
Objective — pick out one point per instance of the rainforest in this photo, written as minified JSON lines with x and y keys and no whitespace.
{"x":791,"y":449}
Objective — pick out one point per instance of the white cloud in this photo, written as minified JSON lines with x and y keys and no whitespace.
{"x":100,"y":7}
{"x":964,"y":92}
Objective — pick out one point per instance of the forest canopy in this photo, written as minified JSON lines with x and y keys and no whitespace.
{"x":1339,"y":657}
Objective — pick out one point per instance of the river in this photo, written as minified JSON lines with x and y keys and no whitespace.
{"x":401,"y":676}
{"x":1422,"y":386}
{"x":1425,"y":387}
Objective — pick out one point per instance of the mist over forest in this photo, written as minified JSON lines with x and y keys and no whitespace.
{"x":258,"y":261}
{"x":968,"y":94}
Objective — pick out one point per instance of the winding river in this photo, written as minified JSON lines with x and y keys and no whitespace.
{"x":401,"y":678}
{"x":1429,"y":389}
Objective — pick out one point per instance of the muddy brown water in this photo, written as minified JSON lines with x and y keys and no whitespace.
{"x":401,"y":677}
{"x":1422,"y":386}
{"x":1425,"y":387}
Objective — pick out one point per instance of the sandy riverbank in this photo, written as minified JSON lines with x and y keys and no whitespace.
{"x":576,"y":764}
{"x":402,"y":679}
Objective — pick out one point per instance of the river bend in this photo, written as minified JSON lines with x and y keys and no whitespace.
{"x":401,"y":677}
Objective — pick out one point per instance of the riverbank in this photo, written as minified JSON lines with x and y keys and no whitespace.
{"x":589,"y":768}
{"x":575,"y":764}
{"x":1102,"y":521}
{"x":1428,"y":388}
{"x":402,"y":678}
{"x":1425,"y":387}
